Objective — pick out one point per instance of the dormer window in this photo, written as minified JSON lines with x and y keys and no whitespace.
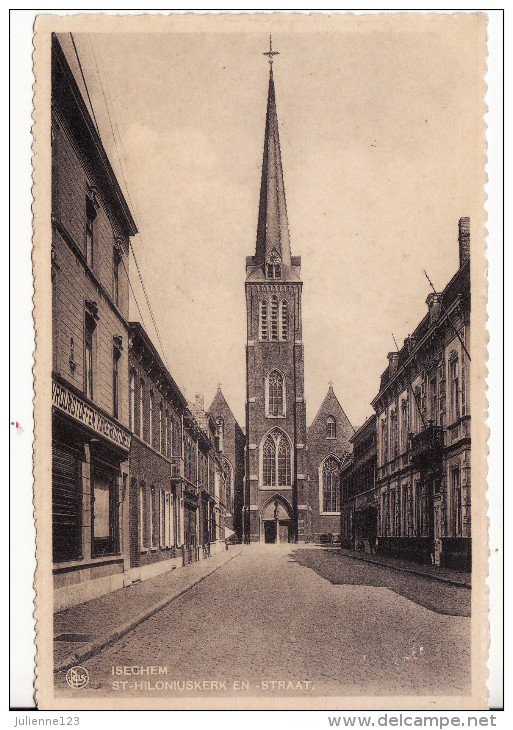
{"x":273,"y":270}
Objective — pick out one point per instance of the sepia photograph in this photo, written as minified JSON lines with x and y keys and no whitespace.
{"x":260,"y":309}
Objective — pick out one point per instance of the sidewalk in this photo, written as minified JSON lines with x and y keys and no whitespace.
{"x":87,"y":628}
{"x":434,"y":572}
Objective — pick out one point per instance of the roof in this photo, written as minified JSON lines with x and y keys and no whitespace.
{"x":331,"y":406}
{"x":136,"y":330}
{"x":67,"y":96}
{"x":273,"y":228}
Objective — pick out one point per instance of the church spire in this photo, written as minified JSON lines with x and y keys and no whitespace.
{"x":273,"y":231}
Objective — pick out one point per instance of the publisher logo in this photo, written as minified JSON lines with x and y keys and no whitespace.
{"x":77,"y":677}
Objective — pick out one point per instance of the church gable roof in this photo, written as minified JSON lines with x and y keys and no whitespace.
{"x":331,"y":407}
{"x":220,"y":407}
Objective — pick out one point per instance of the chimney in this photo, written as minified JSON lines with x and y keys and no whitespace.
{"x":409,"y":343}
{"x":464,"y":239}
{"x":434,"y":302}
{"x":393,"y":362}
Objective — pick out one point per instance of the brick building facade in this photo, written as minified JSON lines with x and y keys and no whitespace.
{"x":231,"y":444}
{"x":329,"y":446}
{"x":156,"y":411}
{"x":359,"y":505}
{"x":91,"y":226}
{"x":423,"y":431}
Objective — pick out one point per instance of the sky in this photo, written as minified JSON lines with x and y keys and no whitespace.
{"x":381,"y":131}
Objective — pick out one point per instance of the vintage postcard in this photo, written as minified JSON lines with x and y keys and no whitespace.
{"x":260,"y":402}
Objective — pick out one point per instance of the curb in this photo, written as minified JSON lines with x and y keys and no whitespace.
{"x":429,"y":576}
{"x":92,"y":648}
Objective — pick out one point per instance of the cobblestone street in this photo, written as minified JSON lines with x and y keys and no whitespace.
{"x":291,"y":620}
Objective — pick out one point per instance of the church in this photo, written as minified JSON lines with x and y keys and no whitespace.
{"x":291,"y":485}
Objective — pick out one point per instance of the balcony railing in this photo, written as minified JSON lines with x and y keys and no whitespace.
{"x":177,"y":468}
{"x":426,"y":447}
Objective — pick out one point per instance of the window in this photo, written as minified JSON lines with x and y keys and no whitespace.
{"x":384,"y":442}
{"x":66,"y":503}
{"x":229,"y":485}
{"x":433,"y":414}
{"x":132,"y":400}
{"x":276,"y":460}
{"x":275,"y":394}
{"x":274,"y":318}
{"x":105,"y":523}
{"x":220,"y":434}
{"x":116,"y":355}
{"x":417,"y":418}
{"x":166,"y":434}
{"x":455,"y":502}
{"x":150,"y":416}
{"x":393,"y":434}
{"x":116,"y":261}
{"x":143,"y":529}
{"x":161,"y":426}
{"x":330,"y":485}
{"x":273,"y":269}
{"x":89,"y":233}
{"x":141,"y":409}
{"x":154,"y":517}
{"x":284,"y":321}
{"x":405,"y":424}
{"x":454,"y":380}
{"x":264,"y":331}
{"x":331,"y":428}
{"x":167,"y":519}
{"x":90,"y":327}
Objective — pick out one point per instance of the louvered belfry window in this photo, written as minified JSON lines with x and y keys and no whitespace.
{"x":264,"y":326}
{"x":274,"y":318}
{"x":284,"y":320}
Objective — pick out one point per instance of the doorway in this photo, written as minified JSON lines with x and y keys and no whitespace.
{"x":270,"y":531}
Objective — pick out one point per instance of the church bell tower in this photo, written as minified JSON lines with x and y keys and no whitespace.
{"x":275,"y":495}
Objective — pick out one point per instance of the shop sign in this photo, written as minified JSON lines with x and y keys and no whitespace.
{"x":73,"y":406}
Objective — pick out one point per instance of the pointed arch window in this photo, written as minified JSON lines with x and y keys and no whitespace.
{"x":264,"y":320}
{"x":276,"y":460}
{"x":284,"y":320}
{"x":331,"y":427}
{"x":275,"y":388}
{"x":274,"y":318}
{"x":330,"y":476}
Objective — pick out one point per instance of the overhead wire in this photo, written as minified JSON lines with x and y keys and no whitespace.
{"x":126,"y":186}
{"x":85,"y":82}
{"x":133,"y":205}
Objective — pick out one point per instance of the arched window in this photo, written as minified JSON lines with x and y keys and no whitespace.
{"x":274,"y":318}
{"x":264,"y":328}
{"x":330,"y":485}
{"x":331,"y":428}
{"x":275,"y":394}
{"x":284,"y":321}
{"x":276,"y":460}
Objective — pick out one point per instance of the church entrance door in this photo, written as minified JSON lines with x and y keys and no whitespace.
{"x":284,"y":531}
{"x":270,"y":531}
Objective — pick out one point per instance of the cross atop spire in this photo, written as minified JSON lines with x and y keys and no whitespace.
{"x":270,"y":53}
